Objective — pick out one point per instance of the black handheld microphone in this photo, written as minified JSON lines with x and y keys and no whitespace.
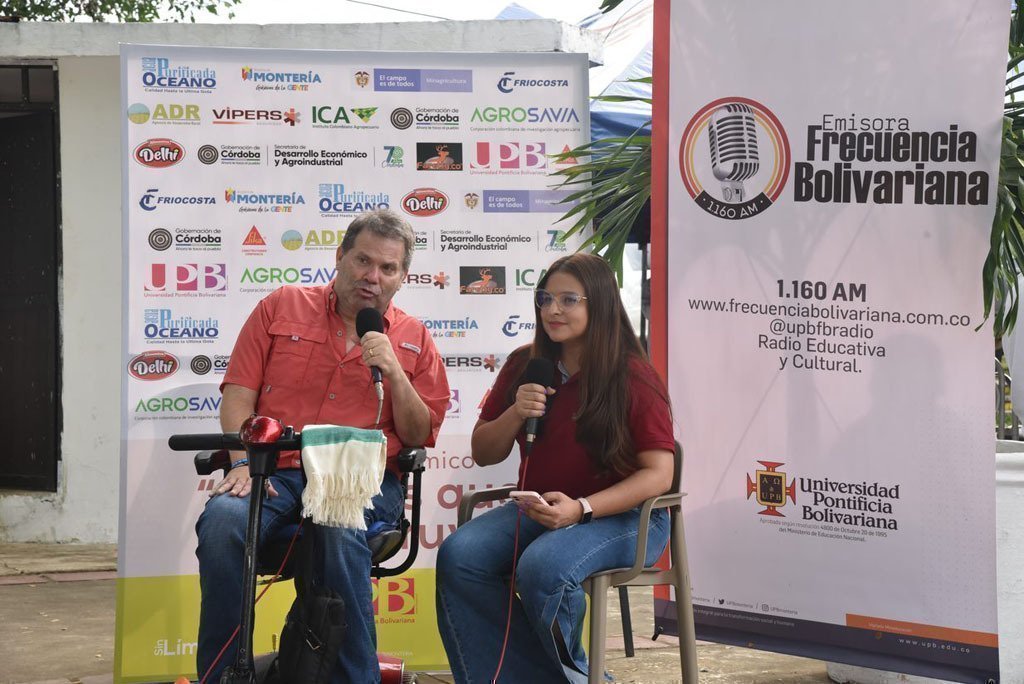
{"x":539,"y":371}
{"x":370,"y":320}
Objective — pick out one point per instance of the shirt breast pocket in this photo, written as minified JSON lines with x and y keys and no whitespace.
{"x":291,"y":348}
{"x":408,"y":359}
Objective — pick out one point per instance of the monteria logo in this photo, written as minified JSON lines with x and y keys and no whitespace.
{"x":153,"y":365}
{"x":266,"y":79}
{"x":159,"y":153}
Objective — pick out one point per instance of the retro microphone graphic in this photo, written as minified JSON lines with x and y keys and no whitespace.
{"x":732,"y":134}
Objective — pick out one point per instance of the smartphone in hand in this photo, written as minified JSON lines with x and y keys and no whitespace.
{"x":528,"y":498}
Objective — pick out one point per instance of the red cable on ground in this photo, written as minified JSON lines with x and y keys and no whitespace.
{"x":277,"y":574}
{"x":515,"y":561}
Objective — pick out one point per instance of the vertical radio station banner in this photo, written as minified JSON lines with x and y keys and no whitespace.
{"x":831,"y":182}
{"x":242,"y":170}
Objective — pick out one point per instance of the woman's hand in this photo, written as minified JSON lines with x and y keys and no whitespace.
{"x":561,"y":511}
{"x":530,"y":400}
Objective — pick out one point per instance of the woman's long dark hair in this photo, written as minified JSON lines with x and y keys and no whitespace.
{"x":609,"y":344}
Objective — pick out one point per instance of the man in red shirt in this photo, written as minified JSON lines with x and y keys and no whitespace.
{"x":298,"y":359}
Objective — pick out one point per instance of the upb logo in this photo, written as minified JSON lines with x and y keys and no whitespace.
{"x":394,"y":599}
{"x":197,"y":278}
{"x":770,"y":487}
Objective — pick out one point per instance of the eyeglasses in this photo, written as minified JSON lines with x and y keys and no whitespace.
{"x":566,"y":300}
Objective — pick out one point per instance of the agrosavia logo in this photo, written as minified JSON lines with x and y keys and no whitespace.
{"x":739,"y":148}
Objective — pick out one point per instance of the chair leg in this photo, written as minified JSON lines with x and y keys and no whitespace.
{"x":627,"y":621}
{"x":684,"y":603}
{"x":598,"y":627}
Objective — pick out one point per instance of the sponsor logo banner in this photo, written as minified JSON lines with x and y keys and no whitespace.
{"x":226,"y":202}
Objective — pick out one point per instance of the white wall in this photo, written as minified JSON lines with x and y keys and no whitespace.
{"x":85,"y":506}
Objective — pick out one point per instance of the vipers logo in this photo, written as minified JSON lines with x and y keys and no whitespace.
{"x":739,"y":148}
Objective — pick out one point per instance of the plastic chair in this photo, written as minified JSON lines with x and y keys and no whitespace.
{"x":597,"y":585}
{"x":384,"y":542}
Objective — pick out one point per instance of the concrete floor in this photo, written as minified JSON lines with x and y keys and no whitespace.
{"x":57,"y":627}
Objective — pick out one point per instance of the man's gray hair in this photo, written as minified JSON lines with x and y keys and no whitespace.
{"x":386,"y":224}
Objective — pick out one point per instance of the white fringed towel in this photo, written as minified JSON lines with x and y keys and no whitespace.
{"x":344,"y":467}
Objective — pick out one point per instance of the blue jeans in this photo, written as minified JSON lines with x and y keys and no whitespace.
{"x":473,"y":566}
{"x":342,"y":564}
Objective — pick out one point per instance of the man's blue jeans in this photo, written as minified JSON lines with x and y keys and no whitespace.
{"x":473,"y":567}
{"x":342,"y":564}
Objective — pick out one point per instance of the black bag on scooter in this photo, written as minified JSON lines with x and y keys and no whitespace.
{"x":314,"y":629}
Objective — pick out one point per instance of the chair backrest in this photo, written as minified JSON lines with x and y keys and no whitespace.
{"x":677,"y":473}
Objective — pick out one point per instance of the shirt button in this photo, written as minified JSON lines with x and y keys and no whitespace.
{"x":340,"y":333}
{"x":331,"y":395}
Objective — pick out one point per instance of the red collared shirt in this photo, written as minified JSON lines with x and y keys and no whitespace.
{"x":292,"y":352}
{"x":558,"y":463}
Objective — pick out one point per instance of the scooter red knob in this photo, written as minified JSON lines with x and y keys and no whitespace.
{"x":260,"y":430}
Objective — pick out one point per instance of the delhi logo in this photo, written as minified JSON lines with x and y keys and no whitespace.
{"x":424,"y":202}
{"x":153,"y":365}
{"x":770,"y":487}
{"x":159,"y":153}
{"x":739,"y":148}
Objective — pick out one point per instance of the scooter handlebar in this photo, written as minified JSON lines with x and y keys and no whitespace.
{"x":214,"y":441}
{"x":203,"y":442}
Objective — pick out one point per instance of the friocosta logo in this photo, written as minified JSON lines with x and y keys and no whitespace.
{"x":738,"y":147}
{"x":401,"y":118}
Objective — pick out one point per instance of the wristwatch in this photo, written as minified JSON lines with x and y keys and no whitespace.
{"x":588,"y":512}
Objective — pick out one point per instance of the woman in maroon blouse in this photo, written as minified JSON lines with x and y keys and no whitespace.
{"x":605,"y":445}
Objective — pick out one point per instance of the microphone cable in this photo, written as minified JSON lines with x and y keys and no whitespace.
{"x":276,"y":576}
{"x":515,"y":562}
